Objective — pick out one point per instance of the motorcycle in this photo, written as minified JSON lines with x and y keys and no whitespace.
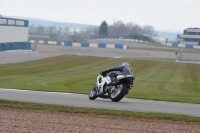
{"x":112,"y":86}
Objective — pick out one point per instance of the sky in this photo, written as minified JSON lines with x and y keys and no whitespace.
{"x":165,"y":15}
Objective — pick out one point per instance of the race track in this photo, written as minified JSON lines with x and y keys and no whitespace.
{"x":106,"y":52}
{"x":45,"y":51}
{"x":12,"y":57}
{"x":79,"y":100}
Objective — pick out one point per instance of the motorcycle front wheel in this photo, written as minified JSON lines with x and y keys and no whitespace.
{"x":93,"y":94}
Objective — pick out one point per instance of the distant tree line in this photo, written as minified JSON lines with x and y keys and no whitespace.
{"x":118,"y":29}
{"x":129,"y":30}
{"x":53,"y":31}
{"x":50,"y":30}
{"x":62,"y":33}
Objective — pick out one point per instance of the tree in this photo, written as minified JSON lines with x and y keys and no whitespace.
{"x":51,"y":29}
{"x":149,"y":30}
{"x":40,"y":29}
{"x":140,"y":37}
{"x":103,"y":30}
{"x":120,"y":29}
{"x":66,"y":29}
{"x":137,"y":29}
{"x":32,"y":29}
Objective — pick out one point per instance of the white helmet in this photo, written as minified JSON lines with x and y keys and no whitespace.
{"x":126,"y":64}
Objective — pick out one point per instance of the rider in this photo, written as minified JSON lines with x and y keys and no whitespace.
{"x":125,"y":68}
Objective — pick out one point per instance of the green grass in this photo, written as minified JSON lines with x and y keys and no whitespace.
{"x":81,"y":40}
{"x":67,"y":109}
{"x":149,"y":43}
{"x":150,"y":59}
{"x":43,"y":38}
{"x":184,"y":50}
{"x":173,"y":49}
{"x":158,"y":80}
{"x":78,"y":40}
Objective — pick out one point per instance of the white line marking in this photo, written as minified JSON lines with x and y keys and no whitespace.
{"x":41,"y":91}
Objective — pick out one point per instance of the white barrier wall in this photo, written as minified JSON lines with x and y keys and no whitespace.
{"x":13,"y":34}
{"x":91,"y":45}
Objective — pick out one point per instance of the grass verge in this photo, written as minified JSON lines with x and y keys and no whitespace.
{"x":156,"y":80}
{"x":67,"y":109}
{"x":170,"y":50}
{"x":43,"y":38}
{"x":78,"y":40}
{"x":165,"y":48}
{"x":149,"y":43}
{"x":150,"y":59}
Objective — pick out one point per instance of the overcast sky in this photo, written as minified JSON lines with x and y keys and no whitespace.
{"x":168,"y":15}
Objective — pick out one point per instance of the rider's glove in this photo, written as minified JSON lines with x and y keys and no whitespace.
{"x":102,"y":73}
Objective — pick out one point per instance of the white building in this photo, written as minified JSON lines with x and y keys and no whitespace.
{"x":14,"y":34}
{"x":190,"y":36}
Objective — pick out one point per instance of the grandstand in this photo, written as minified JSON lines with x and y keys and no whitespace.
{"x":190,"y":36}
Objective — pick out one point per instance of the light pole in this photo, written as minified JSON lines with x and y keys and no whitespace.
{"x":114,"y":27}
{"x":75,"y":35}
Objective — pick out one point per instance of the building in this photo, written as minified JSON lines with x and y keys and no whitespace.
{"x":14,"y":34}
{"x":190,"y":36}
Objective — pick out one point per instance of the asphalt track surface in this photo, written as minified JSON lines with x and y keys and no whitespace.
{"x":80,"y":100}
{"x":45,"y":51}
{"x":14,"y":57}
{"x":106,"y":52}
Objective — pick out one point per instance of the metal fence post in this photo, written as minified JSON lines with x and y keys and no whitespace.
{"x":35,"y":46}
{"x":181,"y":55}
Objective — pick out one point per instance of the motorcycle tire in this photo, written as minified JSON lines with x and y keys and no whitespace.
{"x":121,"y":92}
{"x":93,"y":94}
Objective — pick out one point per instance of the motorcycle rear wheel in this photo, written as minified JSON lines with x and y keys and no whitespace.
{"x":119,"y":94}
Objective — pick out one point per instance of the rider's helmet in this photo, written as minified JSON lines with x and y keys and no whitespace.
{"x":126,"y":64}
{"x":127,"y":68}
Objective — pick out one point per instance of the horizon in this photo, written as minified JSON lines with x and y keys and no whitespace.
{"x":175,"y":31}
{"x":165,"y":15}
